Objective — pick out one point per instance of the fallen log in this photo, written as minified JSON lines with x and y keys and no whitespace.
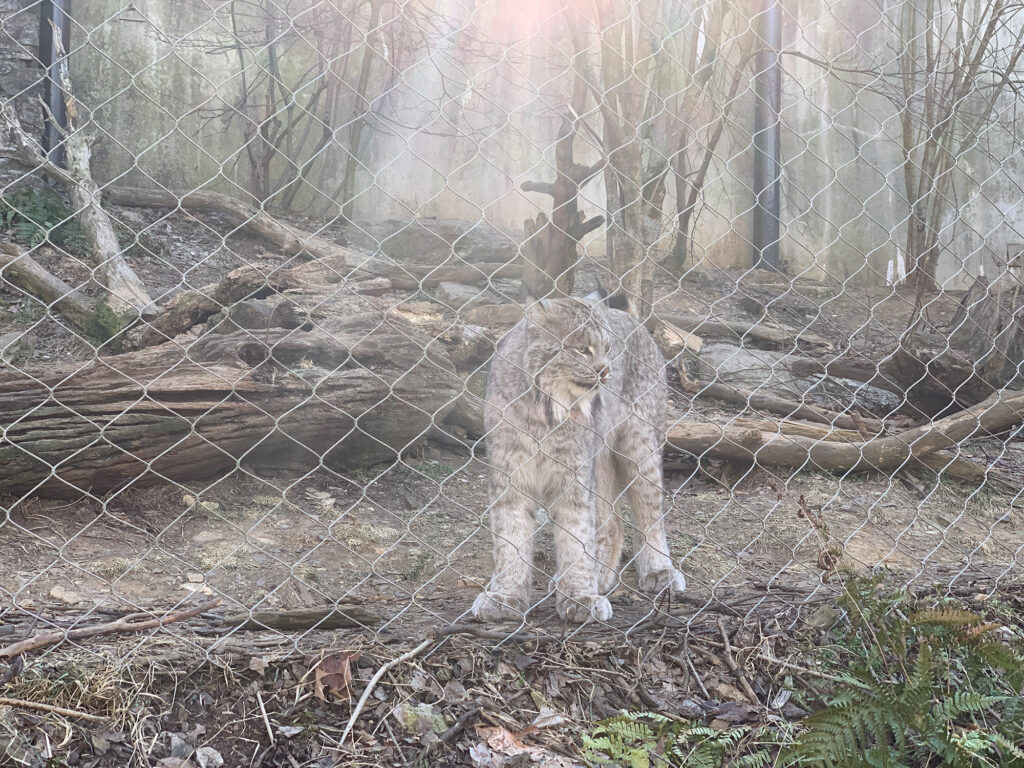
{"x":359,"y":389}
{"x":21,"y":270}
{"x":734,"y":331}
{"x":289,"y":240}
{"x":410,"y":277}
{"x":1001,"y":411}
{"x":943,"y":463}
{"x":792,"y":409}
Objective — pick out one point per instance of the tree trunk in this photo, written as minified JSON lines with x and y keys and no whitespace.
{"x":550,"y":246}
{"x":128,"y":296}
{"x":358,"y":390}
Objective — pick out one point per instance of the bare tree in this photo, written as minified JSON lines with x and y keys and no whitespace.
{"x":707,"y":61}
{"x":956,"y":59}
{"x":664,"y":81}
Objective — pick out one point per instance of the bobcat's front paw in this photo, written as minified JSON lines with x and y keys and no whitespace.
{"x":495,"y":606}
{"x":656,"y":582}
{"x":582,"y":609}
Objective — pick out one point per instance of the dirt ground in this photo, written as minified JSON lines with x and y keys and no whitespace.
{"x":409,"y":542}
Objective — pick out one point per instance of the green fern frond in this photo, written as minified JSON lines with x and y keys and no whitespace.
{"x":946,"y":616}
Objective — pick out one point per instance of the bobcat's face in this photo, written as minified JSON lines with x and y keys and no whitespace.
{"x":567,"y":354}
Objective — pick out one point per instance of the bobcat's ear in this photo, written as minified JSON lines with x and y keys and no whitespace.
{"x":539,"y":310}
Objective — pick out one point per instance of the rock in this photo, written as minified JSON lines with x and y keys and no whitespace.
{"x":463,"y":297}
{"x":180,"y":748}
{"x":66,"y":595}
{"x":420,"y":718}
{"x":208,"y":757}
{"x":15,"y":346}
{"x":434,"y":241}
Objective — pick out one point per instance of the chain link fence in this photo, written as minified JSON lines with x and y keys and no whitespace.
{"x":257,"y":257}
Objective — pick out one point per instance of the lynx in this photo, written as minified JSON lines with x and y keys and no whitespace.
{"x":576,"y":400}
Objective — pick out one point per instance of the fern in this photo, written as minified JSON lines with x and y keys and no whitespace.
{"x":652,"y":740}
{"x":35,"y":216}
{"x":933,"y":688}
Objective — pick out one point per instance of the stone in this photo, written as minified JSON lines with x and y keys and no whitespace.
{"x":15,"y":347}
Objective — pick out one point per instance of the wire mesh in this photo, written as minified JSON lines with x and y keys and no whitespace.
{"x":268,"y":387}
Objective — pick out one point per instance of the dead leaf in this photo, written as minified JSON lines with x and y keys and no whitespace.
{"x":503,"y":741}
{"x":734,"y":712}
{"x":334,"y":673}
{"x":258,"y":664}
{"x":548,"y":718}
{"x":730,"y":692}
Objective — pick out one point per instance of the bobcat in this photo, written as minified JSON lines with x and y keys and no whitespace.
{"x":576,"y":398}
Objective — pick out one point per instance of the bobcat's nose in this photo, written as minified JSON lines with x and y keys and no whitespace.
{"x":604,"y":372}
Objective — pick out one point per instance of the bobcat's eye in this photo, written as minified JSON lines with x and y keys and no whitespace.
{"x":591,"y":351}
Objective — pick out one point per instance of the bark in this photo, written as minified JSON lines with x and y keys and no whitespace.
{"x":357,"y":390}
{"x":303,"y":619}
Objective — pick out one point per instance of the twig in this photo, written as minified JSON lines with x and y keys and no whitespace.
{"x":46,"y":639}
{"x":376,"y":679}
{"x":807,"y":671}
{"x":464,"y":719}
{"x":23,"y":704}
{"x":697,"y":677}
{"x":266,"y":720}
{"x":485,"y":634}
{"x":734,"y":667}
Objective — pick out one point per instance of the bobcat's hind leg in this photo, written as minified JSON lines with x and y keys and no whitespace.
{"x":653,"y":562}
{"x":512,"y":524}
{"x":609,"y":524}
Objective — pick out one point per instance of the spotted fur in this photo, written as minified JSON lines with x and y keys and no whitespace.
{"x":576,"y":400}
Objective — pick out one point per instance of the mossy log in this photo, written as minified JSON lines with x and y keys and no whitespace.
{"x":350,"y":393}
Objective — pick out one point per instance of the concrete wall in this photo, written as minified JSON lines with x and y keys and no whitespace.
{"x":457,"y":135}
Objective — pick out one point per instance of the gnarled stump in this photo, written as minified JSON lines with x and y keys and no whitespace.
{"x":357,"y":390}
